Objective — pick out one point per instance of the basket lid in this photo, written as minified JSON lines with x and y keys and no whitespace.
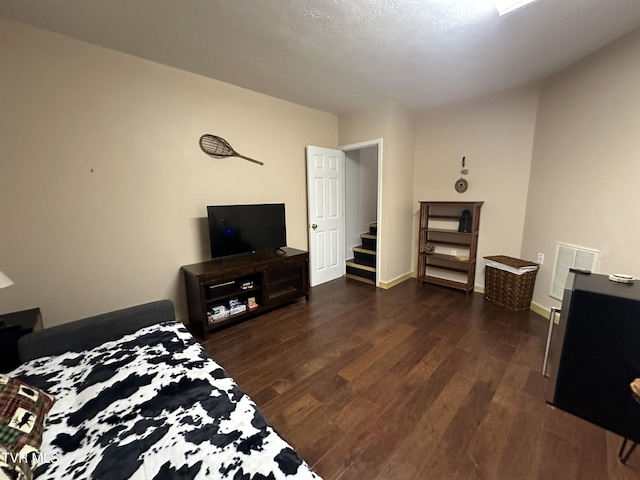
{"x":510,"y":261}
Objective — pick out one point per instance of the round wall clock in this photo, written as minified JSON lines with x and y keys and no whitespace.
{"x":461,"y":185}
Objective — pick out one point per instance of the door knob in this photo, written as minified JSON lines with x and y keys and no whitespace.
{"x":314,"y":226}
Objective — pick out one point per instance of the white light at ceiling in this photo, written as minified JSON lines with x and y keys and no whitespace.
{"x":506,"y":6}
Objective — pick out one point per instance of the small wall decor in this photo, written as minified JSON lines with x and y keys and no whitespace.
{"x":461,"y":184}
{"x":218,"y":147}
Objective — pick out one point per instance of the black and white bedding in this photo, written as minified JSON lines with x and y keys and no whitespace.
{"x":153,"y":405}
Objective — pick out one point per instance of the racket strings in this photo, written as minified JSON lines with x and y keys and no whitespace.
{"x":216,"y":147}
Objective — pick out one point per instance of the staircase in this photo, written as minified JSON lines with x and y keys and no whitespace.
{"x":362,"y":266}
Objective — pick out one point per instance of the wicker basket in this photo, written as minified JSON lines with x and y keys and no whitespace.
{"x":508,"y":289}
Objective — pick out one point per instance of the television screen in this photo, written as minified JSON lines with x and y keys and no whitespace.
{"x":236,"y":229}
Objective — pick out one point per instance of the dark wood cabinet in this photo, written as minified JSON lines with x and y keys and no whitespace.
{"x":221,"y":292}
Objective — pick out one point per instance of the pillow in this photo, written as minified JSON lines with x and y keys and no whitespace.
{"x":23,"y":410}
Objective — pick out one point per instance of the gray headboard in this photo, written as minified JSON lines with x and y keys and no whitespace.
{"x":93,"y":331}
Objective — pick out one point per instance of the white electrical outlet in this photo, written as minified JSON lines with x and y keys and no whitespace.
{"x":540,"y":258}
{"x":454,"y":253}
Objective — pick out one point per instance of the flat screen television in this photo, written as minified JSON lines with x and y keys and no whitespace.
{"x":237,"y":229}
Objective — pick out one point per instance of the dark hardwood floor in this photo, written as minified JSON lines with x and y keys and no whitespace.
{"x":412,"y":383}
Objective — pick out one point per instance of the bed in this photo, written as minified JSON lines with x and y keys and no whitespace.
{"x":136,"y":397}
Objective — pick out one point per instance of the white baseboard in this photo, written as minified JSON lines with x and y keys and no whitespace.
{"x":534,"y":307}
{"x":540,"y":309}
{"x":396,"y":281}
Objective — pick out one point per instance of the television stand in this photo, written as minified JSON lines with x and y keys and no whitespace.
{"x":260,"y":282}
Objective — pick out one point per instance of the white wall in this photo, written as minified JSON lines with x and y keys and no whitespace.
{"x":586,"y":164}
{"x":361,"y":185}
{"x":368,"y":200}
{"x":103,"y":187}
{"x":352,"y":194}
{"x":495,"y":133}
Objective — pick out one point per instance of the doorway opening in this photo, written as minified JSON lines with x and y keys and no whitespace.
{"x":362,"y":210}
{"x":344,"y":204}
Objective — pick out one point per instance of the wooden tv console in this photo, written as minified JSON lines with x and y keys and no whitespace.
{"x":270,"y":278}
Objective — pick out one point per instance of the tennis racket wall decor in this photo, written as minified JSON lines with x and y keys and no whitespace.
{"x":219,"y":147}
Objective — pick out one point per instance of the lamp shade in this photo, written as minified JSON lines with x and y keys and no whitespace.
{"x":5,"y":281}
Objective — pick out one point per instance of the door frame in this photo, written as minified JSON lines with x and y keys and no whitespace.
{"x":379,"y":217}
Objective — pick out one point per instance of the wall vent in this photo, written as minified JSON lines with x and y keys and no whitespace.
{"x":570,"y":256}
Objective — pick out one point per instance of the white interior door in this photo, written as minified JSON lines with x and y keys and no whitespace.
{"x":325,"y":200}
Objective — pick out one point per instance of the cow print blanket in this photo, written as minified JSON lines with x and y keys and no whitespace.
{"x":153,"y":405}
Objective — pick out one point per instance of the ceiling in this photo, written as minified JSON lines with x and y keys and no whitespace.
{"x":343,"y":55}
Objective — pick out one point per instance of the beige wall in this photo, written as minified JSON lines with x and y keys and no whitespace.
{"x":397,"y":194}
{"x":103,"y":186}
{"x":394,"y":125}
{"x":495,"y":133}
{"x":584,"y":186}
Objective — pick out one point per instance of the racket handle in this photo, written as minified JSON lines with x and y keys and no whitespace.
{"x":251,"y":159}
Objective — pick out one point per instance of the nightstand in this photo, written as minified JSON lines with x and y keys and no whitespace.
{"x":12,"y":327}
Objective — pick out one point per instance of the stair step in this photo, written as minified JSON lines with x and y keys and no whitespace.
{"x":366,"y":251}
{"x":364,"y":259}
{"x":363,"y":266}
{"x":360,"y":279}
{"x":368,"y":241}
{"x":360,"y":266}
{"x":358,"y":270}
